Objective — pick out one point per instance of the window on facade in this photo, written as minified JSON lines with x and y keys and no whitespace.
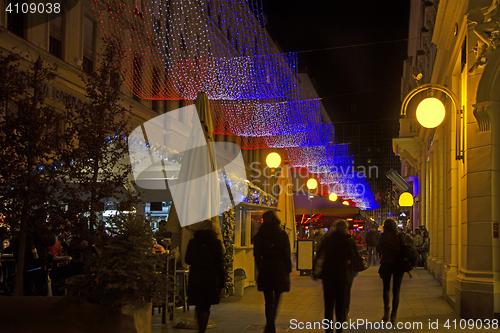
{"x":464,"y":54}
{"x":156,"y":105}
{"x":156,"y":90}
{"x":56,"y":36}
{"x":114,"y":79}
{"x":183,"y":43}
{"x":15,"y":23}
{"x":369,"y":161}
{"x":157,"y":28}
{"x":88,"y":45}
{"x":156,"y":83}
{"x":138,"y":7}
{"x":137,"y":78}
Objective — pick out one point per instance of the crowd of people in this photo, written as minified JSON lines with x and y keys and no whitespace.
{"x":51,"y":258}
{"x":336,"y":252}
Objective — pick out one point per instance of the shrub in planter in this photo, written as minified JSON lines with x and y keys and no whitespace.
{"x":125,"y":271}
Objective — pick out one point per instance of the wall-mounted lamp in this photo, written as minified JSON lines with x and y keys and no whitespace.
{"x":431,"y":112}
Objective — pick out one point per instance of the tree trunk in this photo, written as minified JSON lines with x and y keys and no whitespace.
{"x":19,"y":287}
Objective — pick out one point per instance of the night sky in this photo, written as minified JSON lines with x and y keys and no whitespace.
{"x":357,"y":83}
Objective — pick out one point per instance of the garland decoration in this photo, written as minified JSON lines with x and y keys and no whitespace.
{"x":228,"y":221}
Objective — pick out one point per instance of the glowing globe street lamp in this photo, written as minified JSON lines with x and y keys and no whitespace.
{"x":333,"y":197}
{"x":430,"y":112}
{"x":311,"y":185}
{"x":273,"y":160}
{"x":406,"y":199}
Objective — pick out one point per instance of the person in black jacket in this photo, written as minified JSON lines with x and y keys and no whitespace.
{"x":339,"y":250}
{"x":388,"y":246}
{"x":372,"y":238}
{"x":272,"y":258}
{"x":206,"y":274}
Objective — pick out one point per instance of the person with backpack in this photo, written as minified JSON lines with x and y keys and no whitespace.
{"x":271,"y":250}
{"x":389,"y":246}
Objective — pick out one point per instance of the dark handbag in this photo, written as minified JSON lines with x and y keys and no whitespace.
{"x":360,"y":264}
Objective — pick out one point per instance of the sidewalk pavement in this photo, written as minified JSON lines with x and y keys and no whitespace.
{"x":422,"y":308}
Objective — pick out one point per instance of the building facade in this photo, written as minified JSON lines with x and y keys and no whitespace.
{"x":452,"y":44}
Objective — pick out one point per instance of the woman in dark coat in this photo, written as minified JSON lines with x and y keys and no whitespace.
{"x":272,"y":258}
{"x":339,"y":250}
{"x":388,"y":246}
{"x":206,"y":274}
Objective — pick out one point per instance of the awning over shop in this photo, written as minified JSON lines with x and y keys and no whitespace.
{"x":321,"y":206}
{"x":151,"y":195}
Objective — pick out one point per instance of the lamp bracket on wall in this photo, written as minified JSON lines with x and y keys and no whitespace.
{"x":459,"y":120}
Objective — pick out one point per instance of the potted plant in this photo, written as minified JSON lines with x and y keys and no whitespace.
{"x":125,"y":274}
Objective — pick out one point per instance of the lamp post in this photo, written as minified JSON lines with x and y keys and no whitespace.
{"x":273,"y":160}
{"x":430,"y":112}
{"x":311,"y":185}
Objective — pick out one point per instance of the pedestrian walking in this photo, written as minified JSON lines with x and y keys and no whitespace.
{"x":339,"y":250}
{"x":272,"y":258}
{"x":389,"y":246}
{"x":206,"y":274}
{"x":319,"y":235}
{"x":371,"y":244}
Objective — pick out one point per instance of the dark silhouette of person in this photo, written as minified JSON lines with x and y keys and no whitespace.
{"x":372,"y":238}
{"x":206,"y":274}
{"x":162,"y":235}
{"x":339,"y":250}
{"x":37,"y":256}
{"x":388,"y":246}
{"x":272,"y":258}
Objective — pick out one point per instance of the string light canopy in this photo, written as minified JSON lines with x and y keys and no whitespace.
{"x":248,"y":118}
{"x":325,"y":155}
{"x":175,"y":49}
{"x":350,"y":186}
{"x":178,"y":48}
